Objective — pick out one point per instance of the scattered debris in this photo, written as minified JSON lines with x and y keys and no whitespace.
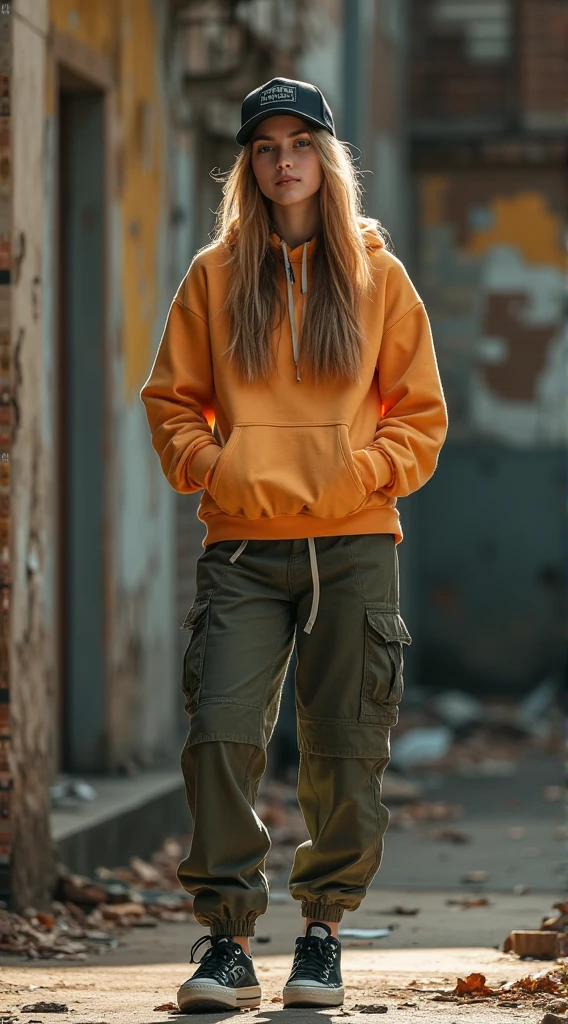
{"x":466,"y":904}
{"x":457,"y":709}
{"x":474,"y":989}
{"x":450,"y":835}
{"x":365,"y":933}
{"x":43,"y":1007}
{"x":553,"y":1018}
{"x":422,"y":745}
{"x":475,"y":877}
{"x":402,"y":911}
{"x":276,"y":999}
{"x":424,"y":812}
{"x":397,"y":789}
{"x":542,"y":945}
{"x":515,"y":832}
{"x":370,"y":1008}
{"x":167,"y":1006}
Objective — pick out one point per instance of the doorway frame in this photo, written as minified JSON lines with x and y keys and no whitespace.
{"x":69,"y":54}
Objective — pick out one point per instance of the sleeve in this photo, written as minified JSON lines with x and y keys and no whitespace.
{"x":413,"y":424}
{"x":180,"y":389}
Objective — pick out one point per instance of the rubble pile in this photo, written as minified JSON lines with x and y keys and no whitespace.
{"x":89,"y":915}
{"x":455,"y":732}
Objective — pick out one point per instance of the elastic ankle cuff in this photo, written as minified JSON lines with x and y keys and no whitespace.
{"x":232,"y":928}
{"x":322,"y":911}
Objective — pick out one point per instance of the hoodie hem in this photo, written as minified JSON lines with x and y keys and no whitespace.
{"x":221,"y":526}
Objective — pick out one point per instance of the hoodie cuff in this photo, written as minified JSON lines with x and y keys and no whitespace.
{"x":202,"y":462}
{"x":374,"y":469}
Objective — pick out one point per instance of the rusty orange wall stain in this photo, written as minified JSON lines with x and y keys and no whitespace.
{"x":433,"y":190}
{"x":126,"y":32}
{"x":526,"y":221}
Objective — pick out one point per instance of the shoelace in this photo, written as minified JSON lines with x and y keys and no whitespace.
{"x":217,"y":960}
{"x":314,"y":959}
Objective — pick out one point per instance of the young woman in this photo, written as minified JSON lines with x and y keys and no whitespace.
{"x":301,"y":336}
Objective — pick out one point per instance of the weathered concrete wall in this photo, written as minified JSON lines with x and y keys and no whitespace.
{"x":141,"y":684}
{"x":31,"y":875}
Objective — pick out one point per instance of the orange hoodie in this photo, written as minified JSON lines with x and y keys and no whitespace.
{"x":290,"y":458}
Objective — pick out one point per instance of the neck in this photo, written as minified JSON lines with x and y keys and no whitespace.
{"x":297,"y":223}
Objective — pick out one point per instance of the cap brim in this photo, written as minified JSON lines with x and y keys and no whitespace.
{"x":244,"y":134}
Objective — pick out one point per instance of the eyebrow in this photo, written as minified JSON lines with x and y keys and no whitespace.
{"x":270,"y":138}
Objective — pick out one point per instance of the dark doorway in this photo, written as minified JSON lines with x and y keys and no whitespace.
{"x":81,"y":423}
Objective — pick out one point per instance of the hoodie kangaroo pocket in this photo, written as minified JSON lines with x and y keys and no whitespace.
{"x":269,"y":470}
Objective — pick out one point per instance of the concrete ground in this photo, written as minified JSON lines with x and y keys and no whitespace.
{"x":422,"y":956}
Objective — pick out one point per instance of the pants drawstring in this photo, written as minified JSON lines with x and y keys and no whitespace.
{"x":316,"y":585}
{"x":238,"y":552}
{"x":315,"y":578}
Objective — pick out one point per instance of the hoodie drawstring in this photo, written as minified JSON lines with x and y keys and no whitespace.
{"x":290,"y":280}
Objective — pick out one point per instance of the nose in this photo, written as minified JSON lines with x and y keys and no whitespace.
{"x":284,"y":160}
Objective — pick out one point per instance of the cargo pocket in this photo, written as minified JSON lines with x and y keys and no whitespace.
{"x":385,"y":633}
{"x":197,"y":620}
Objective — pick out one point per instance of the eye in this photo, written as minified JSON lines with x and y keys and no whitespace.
{"x":303,"y":142}
{"x":264,"y":148}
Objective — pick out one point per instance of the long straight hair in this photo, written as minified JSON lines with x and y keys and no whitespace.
{"x":331,"y":342}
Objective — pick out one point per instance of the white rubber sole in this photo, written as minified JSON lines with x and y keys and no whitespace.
{"x":194,"y":998}
{"x":307,"y":995}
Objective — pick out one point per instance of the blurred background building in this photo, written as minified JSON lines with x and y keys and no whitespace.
{"x":120,"y":109}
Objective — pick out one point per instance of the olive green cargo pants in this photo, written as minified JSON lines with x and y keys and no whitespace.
{"x":246,"y":615}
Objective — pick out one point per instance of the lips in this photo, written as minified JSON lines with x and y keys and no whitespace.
{"x":286,"y":181}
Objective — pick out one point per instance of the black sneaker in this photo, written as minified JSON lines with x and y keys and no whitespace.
{"x":315,"y":979}
{"x":225,"y":978}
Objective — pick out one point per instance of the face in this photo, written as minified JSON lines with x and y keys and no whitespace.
{"x":284,"y":161}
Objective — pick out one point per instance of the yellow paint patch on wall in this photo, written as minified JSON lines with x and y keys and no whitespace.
{"x":525,"y":221}
{"x":142,"y":187}
{"x":91,"y":22}
{"x":433,"y":190}
{"x":126,"y":32}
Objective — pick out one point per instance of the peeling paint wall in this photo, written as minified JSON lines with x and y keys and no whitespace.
{"x":141,"y":685}
{"x":493,"y":274}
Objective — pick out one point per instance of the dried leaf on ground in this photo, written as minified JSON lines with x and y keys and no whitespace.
{"x":276,"y":999}
{"x":402,"y":911}
{"x":167,"y":1006}
{"x":474,"y":984}
{"x":544,"y":981}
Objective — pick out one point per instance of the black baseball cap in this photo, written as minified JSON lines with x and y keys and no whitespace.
{"x":284,"y":96}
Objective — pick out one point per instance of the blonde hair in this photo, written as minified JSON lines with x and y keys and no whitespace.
{"x":331,"y":340}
